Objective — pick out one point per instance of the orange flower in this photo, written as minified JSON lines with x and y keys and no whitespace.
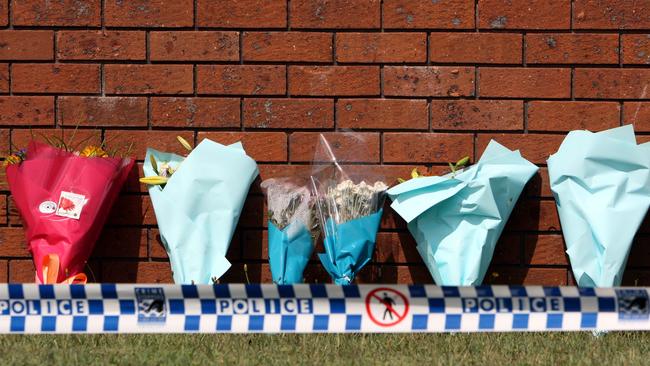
{"x":92,"y":151}
{"x":12,"y":159}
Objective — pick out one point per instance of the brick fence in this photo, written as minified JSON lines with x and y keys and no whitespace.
{"x":427,"y":81}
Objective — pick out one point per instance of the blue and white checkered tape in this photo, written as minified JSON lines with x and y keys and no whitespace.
{"x":237,"y":308}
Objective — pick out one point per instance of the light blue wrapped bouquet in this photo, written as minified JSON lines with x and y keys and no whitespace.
{"x":198,"y":205}
{"x":457,"y":219}
{"x":349,"y":210}
{"x":292,"y":229}
{"x":601,"y":184}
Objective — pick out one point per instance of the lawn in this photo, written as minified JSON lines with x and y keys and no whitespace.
{"x":343,"y":349}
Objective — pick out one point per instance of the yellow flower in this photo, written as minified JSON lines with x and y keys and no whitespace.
{"x":11,"y":159}
{"x":154,"y":180}
{"x":92,"y":151}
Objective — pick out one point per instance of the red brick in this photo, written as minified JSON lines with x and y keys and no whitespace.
{"x":4,"y":142}
{"x":346,"y":147}
{"x":534,"y":215}
{"x":55,"y":78}
{"x":539,"y":185}
{"x":334,"y":80}
{"x":195,"y":112}
{"x":524,"y":82}
{"x":611,"y":83}
{"x":27,"y":111}
{"x":527,"y":276}
{"x":412,"y":274}
{"x":194,"y":46}
{"x":580,"y":48}
{"x":3,"y":207}
{"x":536,"y":148}
{"x":261,"y":146}
{"x":426,"y":147}
{"x":288,"y":113}
{"x":335,"y":14}
{"x":610,"y":14}
{"x":241,"y":13}
{"x":636,"y":48}
{"x":428,"y":81}
{"x":532,"y":14}
{"x":132,"y":184}
{"x":382,"y":114}
{"x":396,"y":248}
{"x":100,"y":45}
{"x":248,"y":273}
{"x":122,"y":242}
{"x":156,"y":247}
{"x":68,"y":13}
{"x":241,"y":79}
{"x":149,"y":13}
{"x":3,"y":177}
{"x":148,"y":79}
{"x":136,"y":272}
{"x":498,"y":48}
{"x":477,"y":114}
{"x":300,"y":172}
{"x":409,"y":14}
{"x":567,"y":116}
{"x":381,"y":47}
{"x":508,"y":249}
{"x":13,"y":243}
{"x":20,"y":138}
{"x":26,"y":45}
{"x":102,"y":111}
{"x":254,"y":214}
{"x":638,"y":114}
{"x":545,"y":249}
{"x":4,"y":20}
{"x":21,"y":271}
{"x":160,"y":140}
{"x":4,"y":78}
{"x":132,"y":210}
{"x":287,"y":46}
{"x":256,"y":244}
{"x":4,"y":270}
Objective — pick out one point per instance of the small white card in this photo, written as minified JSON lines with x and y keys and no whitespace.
{"x":70,"y":205}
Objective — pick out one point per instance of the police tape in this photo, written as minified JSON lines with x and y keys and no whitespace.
{"x":304,"y":308}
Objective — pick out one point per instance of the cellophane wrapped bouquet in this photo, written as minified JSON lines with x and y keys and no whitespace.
{"x":64,"y":196}
{"x":292,"y":228}
{"x":349,"y":209}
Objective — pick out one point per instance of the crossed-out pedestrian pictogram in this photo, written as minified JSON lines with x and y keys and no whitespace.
{"x":386,"y":306}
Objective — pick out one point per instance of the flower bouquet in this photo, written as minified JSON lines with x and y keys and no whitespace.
{"x":601,"y":184}
{"x":293,"y":229}
{"x":64,"y":198}
{"x":349,"y":214}
{"x":198,"y":200}
{"x":456,"y":219}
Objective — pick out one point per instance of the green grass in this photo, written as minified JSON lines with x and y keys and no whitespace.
{"x":425,"y":349}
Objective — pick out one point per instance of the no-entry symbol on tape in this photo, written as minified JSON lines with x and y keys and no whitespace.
{"x":386,"y":307}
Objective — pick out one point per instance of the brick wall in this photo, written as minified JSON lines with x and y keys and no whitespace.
{"x":427,"y":81}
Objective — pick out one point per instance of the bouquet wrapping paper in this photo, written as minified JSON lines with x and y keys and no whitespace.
{"x":64,"y":200}
{"x":601,"y":184}
{"x":199,"y":207}
{"x":457,"y":220}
